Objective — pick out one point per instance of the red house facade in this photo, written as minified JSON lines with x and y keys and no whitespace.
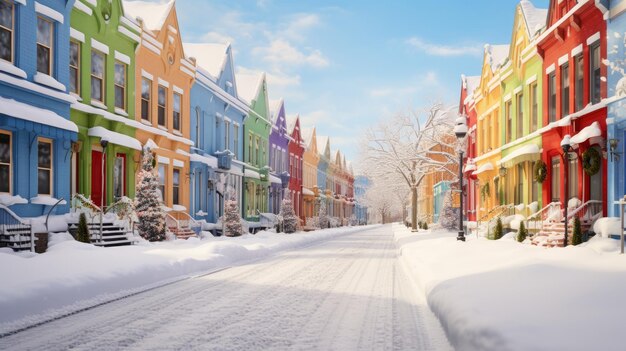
{"x":573,"y":47}
{"x":466,"y":109}
{"x":296,"y":148}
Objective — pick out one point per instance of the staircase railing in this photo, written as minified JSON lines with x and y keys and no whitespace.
{"x":588,"y":211}
{"x":93,"y":208}
{"x":492,"y":215}
{"x":542,"y":215}
{"x":11,"y":223}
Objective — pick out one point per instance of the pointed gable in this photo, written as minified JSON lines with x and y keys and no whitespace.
{"x":534,"y":18}
{"x":248,"y":86}
{"x":323,"y":146}
{"x":211,"y":58}
{"x":152,"y":14}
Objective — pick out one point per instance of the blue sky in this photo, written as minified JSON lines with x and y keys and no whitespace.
{"x":344,"y":65}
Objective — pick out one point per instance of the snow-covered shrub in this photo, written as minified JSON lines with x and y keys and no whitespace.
{"x":448,"y":217}
{"x":498,"y":230}
{"x":322,"y":218}
{"x":288,"y":215}
{"x":232,"y":219}
{"x":522,"y":233}
{"x":577,"y":233}
{"x":82,"y":234}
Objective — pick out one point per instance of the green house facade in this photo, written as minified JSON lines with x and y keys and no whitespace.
{"x":252,"y":89}
{"x":102,"y":66}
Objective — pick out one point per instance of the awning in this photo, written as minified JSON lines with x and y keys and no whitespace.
{"x":484,"y":168}
{"x":307,"y":192}
{"x":115,"y":138}
{"x":524,"y":153}
{"x":592,"y":131}
{"x":274,"y":179}
{"x":34,"y":114}
{"x":251,"y":174}
{"x":469,"y":167}
{"x":206,"y":159}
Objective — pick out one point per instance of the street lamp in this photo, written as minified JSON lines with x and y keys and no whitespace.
{"x":567,"y":147}
{"x":460,"y":130}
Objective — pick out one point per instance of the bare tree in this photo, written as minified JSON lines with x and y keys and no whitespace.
{"x":384,"y":202}
{"x":408,"y":147}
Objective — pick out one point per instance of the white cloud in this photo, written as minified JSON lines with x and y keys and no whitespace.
{"x":443,"y":50}
{"x":215,"y":37}
{"x":425,"y":82}
{"x":280,"y":52}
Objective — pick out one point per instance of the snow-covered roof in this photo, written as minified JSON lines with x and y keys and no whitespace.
{"x":291,"y":123}
{"x":114,"y":137}
{"x":210,"y":57}
{"x":591,"y":131}
{"x":470,"y":83}
{"x":251,"y":174}
{"x":321,"y":144}
{"x":248,"y":86}
{"x":31,"y":113}
{"x":307,"y":135}
{"x":535,"y":18}
{"x":153,"y":14}
{"x":496,"y":55}
{"x":275,"y":106}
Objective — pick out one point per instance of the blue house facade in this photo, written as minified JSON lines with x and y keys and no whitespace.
{"x":217,"y":123}
{"x":36,"y":134}
{"x":439,"y":192}
{"x":361,"y":183}
{"x":616,"y":116}
{"x":279,"y":144}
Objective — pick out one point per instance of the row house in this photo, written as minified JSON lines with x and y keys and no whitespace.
{"x":36,"y":134}
{"x":323,"y":185}
{"x":252,"y":89}
{"x":296,"y":181}
{"x":311,"y":158}
{"x":102,"y":45}
{"x":279,"y":158}
{"x":217,"y":120}
{"x":616,"y":118}
{"x":164,"y":77}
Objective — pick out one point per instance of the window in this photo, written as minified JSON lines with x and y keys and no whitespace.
{"x":162,"y":177}
{"x":565,"y":90}
{"x":176,"y":187}
{"x":162,"y":99}
{"x":75,"y":67}
{"x":533,"y":107}
{"x":250,"y":148}
{"x":257,"y":155}
{"x":226,"y":135}
{"x":44,"y":167}
{"x":595,"y":74}
{"x":120,"y":85}
{"x":509,"y":121}
{"x":236,"y":141}
{"x":5,"y":162}
{"x":572,"y":181}
{"x":520,"y":115}
{"x":264,"y":155}
{"x":198,"y":129}
{"x":579,"y":73}
{"x":6,"y":30}
{"x":519,"y":191}
{"x":555,"y":183}
{"x":45,"y":33}
{"x":146,"y":93}
{"x":97,"y":75}
{"x":552,"y":97}
{"x":119,"y":176}
{"x":291,"y":164}
{"x":176,"y":114}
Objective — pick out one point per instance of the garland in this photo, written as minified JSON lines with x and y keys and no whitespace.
{"x":541,"y":171}
{"x":592,"y":160}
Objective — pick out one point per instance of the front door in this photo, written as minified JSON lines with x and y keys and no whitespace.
{"x":98,"y":178}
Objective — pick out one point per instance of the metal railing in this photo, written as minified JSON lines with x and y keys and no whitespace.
{"x":11,"y":225}
{"x":173,"y":220}
{"x":587,"y":212}
{"x":545,"y":214}
{"x":94,"y":210}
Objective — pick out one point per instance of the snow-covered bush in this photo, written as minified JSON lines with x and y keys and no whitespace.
{"x":323,"y":220}
{"x":288,"y":215}
{"x":448,"y":218}
{"x":232,"y":218}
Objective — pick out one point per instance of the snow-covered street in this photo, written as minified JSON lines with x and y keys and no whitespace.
{"x":347,"y":293}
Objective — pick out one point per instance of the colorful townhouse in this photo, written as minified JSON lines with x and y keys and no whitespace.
{"x":616,"y":118}
{"x":252,"y":89}
{"x":296,"y":180}
{"x":487,"y":97}
{"x":101,"y":67}
{"x":361,"y":183}
{"x":468,"y":110}
{"x":36,"y":134}
{"x":573,"y":47}
{"x":217,"y":119}
{"x":164,"y":77}
{"x":521,"y":108}
{"x":323,"y":193}
{"x":310,"y":186}
{"x":278,"y":149}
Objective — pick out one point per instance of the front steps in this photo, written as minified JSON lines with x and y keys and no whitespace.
{"x":182,"y":232}
{"x":18,"y":239}
{"x":112,"y":234}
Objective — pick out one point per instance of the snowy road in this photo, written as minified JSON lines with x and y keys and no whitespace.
{"x":348,"y":293}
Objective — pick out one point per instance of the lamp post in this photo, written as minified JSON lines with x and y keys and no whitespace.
{"x":566,"y":146}
{"x":104,"y":144}
{"x":460,"y":130}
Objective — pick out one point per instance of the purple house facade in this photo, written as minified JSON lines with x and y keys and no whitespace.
{"x":279,"y":143}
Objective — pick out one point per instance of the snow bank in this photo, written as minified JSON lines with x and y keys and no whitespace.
{"x":73,"y":276}
{"x":502,"y":295}
{"x":607,"y":226}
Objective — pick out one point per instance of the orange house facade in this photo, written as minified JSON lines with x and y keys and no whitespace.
{"x":164,"y":77}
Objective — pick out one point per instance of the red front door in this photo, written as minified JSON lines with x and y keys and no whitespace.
{"x":98,"y":182}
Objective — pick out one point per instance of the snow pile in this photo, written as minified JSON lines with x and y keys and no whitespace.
{"x":502,"y":295}
{"x":607,"y":226}
{"x":72,"y":275}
